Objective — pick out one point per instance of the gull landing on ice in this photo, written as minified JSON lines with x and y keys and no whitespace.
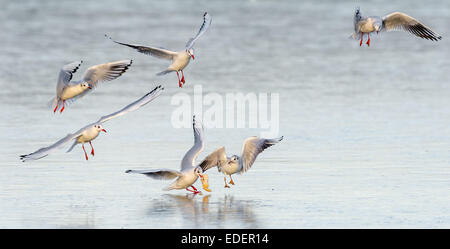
{"x":391,"y":22}
{"x":230,"y":165}
{"x":189,"y":173}
{"x":179,"y":59}
{"x":91,"y":131}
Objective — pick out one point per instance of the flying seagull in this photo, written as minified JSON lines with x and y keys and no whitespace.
{"x":189,"y":173}
{"x":230,"y":165}
{"x":179,"y":59}
{"x":71,"y":90}
{"x":91,"y":131}
{"x":393,"y":21}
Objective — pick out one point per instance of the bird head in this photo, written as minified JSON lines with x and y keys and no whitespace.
{"x":85,"y":85}
{"x":99,"y":128}
{"x":198,"y":171}
{"x":191,"y":53}
{"x":233,"y":159}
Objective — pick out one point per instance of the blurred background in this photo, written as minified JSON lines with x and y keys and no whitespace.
{"x":366,"y":129}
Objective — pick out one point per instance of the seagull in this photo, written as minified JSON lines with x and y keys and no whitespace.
{"x":91,"y":131}
{"x":393,"y":21}
{"x":230,"y":165}
{"x":179,"y":59}
{"x":71,"y":90}
{"x":189,"y":173}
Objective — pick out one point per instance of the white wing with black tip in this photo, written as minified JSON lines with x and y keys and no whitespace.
{"x":401,"y":21}
{"x":135,"y":105}
{"x":216,"y":158}
{"x":199,"y":143}
{"x":205,"y":25}
{"x":43,"y":152}
{"x":153,"y":51}
{"x":159,"y":174}
{"x":106,"y":72}
{"x":251,"y":148}
{"x":66,"y":75}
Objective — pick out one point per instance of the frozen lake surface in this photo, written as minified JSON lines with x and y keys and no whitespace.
{"x":367,"y":130}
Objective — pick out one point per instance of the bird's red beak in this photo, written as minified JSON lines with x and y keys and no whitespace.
{"x":377,"y":31}
{"x":193,"y":57}
{"x":104,"y":130}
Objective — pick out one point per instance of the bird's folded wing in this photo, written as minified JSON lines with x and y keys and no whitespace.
{"x":205,"y":25}
{"x":66,"y":74}
{"x":217,"y":158}
{"x":106,"y":72}
{"x":251,"y":148}
{"x":399,"y":21}
{"x":135,"y":105}
{"x":159,"y":174}
{"x":157,"y":52}
{"x":199,"y":142}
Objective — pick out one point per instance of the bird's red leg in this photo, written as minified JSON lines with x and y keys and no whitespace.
{"x":179,"y":81}
{"x":362,"y":35}
{"x":64,"y":105}
{"x":56,"y":108}
{"x":92,"y":151}
{"x":85,"y":154}
{"x":368,"y":41}
{"x":182,"y":78}
{"x":193,"y":191}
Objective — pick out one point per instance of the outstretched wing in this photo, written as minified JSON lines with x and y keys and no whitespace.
{"x":251,"y":149}
{"x":157,"y":52}
{"x":65,"y":75}
{"x":205,"y":25}
{"x":199,"y":142}
{"x":43,"y":152}
{"x":217,"y":158}
{"x":159,"y":174}
{"x":135,"y":105}
{"x":106,"y":72}
{"x":398,"y":21}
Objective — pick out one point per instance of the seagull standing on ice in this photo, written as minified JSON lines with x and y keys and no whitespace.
{"x":230,"y":165}
{"x":189,"y":173}
{"x":91,"y":131}
{"x":71,"y":90}
{"x":179,"y":59}
{"x":393,"y":21}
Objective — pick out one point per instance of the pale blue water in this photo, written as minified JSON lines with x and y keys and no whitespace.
{"x":367,"y":130}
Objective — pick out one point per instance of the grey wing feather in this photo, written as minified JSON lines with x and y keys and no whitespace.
{"x":157,"y":52}
{"x":199,"y":142}
{"x":205,"y":25}
{"x":135,"y":105}
{"x":43,"y":152}
{"x":401,"y":21}
{"x":103,"y":72}
{"x":106,"y":72}
{"x":66,"y":74}
{"x":251,"y":149}
{"x":159,"y":174}
{"x":217,"y":158}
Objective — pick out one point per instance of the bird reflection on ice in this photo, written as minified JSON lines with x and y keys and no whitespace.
{"x":198,"y":211}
